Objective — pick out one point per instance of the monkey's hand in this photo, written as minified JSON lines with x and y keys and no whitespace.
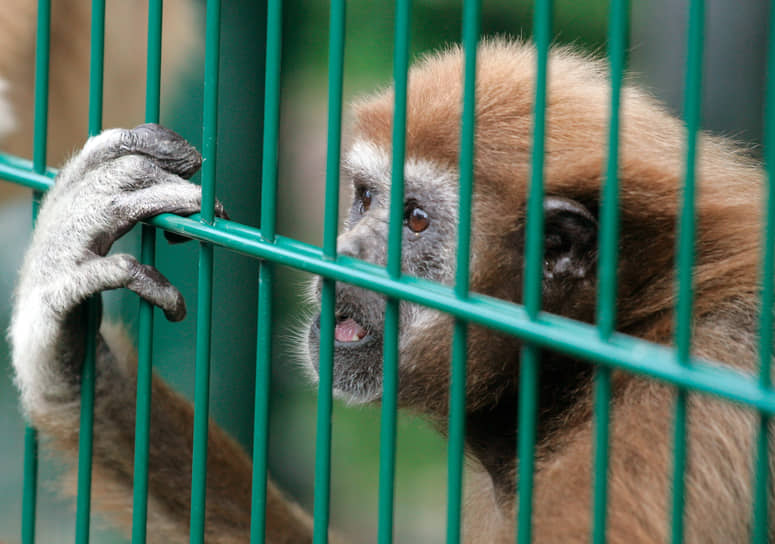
{"x":119,"y":178}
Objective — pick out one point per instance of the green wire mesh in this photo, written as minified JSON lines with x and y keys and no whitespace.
{"x":597,"y":343}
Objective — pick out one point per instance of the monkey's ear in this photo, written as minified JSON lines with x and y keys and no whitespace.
{"x":570,"y":239}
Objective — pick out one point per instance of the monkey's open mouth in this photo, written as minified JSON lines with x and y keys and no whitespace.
{"x":348,"y":330}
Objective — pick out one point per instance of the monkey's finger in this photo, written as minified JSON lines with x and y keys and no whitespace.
{"x":113,"y":272}
{"x":164,"y":147}
{"x":174,"y":238}
{"x":152,"y":286}
{"x":167,"y":148}
{"x":220,"y":211}
{"x":170,"y":195}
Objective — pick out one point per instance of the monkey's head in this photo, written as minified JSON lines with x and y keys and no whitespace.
{"x":576,"y":143}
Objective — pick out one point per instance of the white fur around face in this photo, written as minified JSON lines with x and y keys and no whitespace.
{"x":368,"y":160}
{"x":7,"y":119}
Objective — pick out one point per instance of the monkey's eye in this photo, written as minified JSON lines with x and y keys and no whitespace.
{"x":364,"y":198}
{"x":415,"y":217}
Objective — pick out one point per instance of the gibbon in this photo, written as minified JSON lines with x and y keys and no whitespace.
{"x":124,"y":176}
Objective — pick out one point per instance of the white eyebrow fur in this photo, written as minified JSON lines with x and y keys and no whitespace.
{"x":367,"y":160}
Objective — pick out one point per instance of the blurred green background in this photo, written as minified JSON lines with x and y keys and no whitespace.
{"x":657,"y":53}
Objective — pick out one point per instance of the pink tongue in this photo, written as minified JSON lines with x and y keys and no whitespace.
{"x":348,"y":331}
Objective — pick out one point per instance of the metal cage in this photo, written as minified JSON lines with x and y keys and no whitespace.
{"x":598,"y":343}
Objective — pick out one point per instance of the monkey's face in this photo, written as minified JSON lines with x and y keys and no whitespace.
{"x":429,"y":244}
{"x":501,"y":170}
{"x":428,"y":249}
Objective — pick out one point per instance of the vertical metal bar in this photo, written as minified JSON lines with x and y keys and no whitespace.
{"x":145,"y":326}
{"x":153,"y":68}
{"x":685,"y":258}
{"x":85,"y":434}
{"x":261,"y":401}
{"x":210,"y":113}
{"x":607,"y":281}
{"x":143,"y":408}
{"x":205,"y":286}
{"x":42,"y":49}
{"x":96,"y":66}
{"x":457,"y":397}
{"x":760,"y":533}
{"x":387,"y":436}
{"x":327,"y":319}
{"x":266,"y":272}
{"x":29,"y":499}
{"x":528,"y":376}
{"x":83,"y":507}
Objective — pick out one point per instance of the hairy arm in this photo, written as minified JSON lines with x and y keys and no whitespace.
{"x":119,"y":178}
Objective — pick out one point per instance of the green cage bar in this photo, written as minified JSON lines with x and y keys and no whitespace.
{"x":336,"y":44}
{"x":205,"y":285}
{"x":761,"y":468}
{"x":145,"y":318}
{"x":607,"y":280}
{"x":21,"y":171}
{"x":685,"y":257}
{"x":85,"y":437}
{"x":40,"y":118}
{"x":96,"y":66}
{"x":599,"y":343}
{"x":547,"y":331}
{"x":266,"y":272}
{"x":390,"y":358}
{"x":85,"y":433}
{"x":29,"y":498}
{"x":457,"y":396}
{"x":531,"y":291}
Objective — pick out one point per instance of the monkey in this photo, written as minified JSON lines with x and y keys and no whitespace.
{"x":135,"y":174}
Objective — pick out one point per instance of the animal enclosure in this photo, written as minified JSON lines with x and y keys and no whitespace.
{"x":598,"y":344}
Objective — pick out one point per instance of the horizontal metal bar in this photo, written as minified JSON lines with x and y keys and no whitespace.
{"x":20,"y":171}
{"x":549,"y":331}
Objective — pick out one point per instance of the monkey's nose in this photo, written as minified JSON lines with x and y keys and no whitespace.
{"x":350,"y":245}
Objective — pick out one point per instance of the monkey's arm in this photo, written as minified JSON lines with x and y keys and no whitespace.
{"x":119,"y":178}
